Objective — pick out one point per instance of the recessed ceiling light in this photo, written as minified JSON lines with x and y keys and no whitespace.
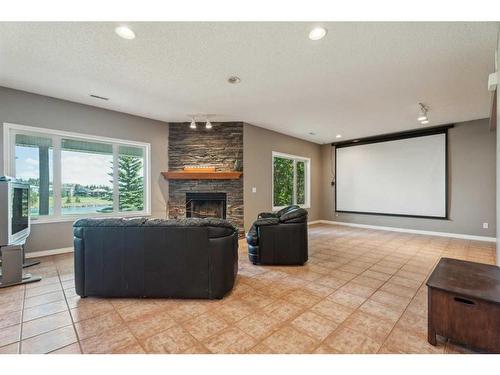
{"x":338,"y":136}
{"x":234,"y":80}
{"x":422,"y":118}
{"x":125,"y":32}
{"x":317,"y":33}
{"x":424,"y":122}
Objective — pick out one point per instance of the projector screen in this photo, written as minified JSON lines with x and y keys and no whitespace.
{"x":405,"y":177}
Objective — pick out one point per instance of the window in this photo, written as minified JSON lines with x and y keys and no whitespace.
{"x":34,"y":164}
{"x":75,"y":175}
{"x":291,"y":180}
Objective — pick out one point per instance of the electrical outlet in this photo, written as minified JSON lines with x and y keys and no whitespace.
{"x":254,"y":190}
{"x":485,"y":225}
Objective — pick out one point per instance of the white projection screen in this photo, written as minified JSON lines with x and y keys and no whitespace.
{"x":405,"y":176}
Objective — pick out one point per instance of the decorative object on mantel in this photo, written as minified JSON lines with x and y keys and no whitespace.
{"x":199,"y":168}
{"x":201,"y":175}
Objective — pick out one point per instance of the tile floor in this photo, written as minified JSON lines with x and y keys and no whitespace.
{"x":362,"y":291}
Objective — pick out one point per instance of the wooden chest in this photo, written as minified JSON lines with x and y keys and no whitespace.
{"x":464,"y":304}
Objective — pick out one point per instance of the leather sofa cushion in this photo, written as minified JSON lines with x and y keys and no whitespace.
{"x":110,"y":222}
{"x":265,"y":215}
{"x":216,"y":227}
{"x":279,"y":213}
{"x":286,"y":209}
{"x":297,"y":215}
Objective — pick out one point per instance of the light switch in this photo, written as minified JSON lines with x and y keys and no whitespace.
{"x":254,"y":190}
{"x":485,"y":226}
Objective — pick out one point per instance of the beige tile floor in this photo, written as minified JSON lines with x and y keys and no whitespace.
{"x":362,"y":291}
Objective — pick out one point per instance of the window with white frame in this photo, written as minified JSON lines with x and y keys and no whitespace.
{"x":74,"y":175}
{"x":291,"y":180}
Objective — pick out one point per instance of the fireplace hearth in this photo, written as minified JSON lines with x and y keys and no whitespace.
{"x":202,"y":205}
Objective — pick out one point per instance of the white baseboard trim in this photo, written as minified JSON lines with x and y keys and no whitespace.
{"x":414,"y":231}
{"x":314,"y":222}
{"x":45,"y":253}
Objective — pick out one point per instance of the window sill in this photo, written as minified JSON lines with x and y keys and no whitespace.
{"x":67,"y":219}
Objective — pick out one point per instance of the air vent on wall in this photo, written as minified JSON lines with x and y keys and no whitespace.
{"x":98,"y":97}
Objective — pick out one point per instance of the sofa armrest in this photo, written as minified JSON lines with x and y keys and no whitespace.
{"x":79,"y":262}
{"x":266,"y":221}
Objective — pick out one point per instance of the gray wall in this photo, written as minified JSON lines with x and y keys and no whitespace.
{"x":258,"y":145}
{"x":498,"y":155}
{"x":35,"y":110}
{"x":472,"y":177}
{"x":471,"y":147}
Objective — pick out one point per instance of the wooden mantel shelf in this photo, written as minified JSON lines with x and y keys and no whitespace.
{"x":183,"y":175}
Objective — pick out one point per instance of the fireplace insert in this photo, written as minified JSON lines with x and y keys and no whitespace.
{"x":207,"y":204}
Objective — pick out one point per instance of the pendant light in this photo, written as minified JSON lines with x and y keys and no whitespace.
{"x":193,"y":124}
{"x":422,"y":117}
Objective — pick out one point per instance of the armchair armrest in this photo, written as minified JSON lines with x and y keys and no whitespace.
{"x":266,"y":221}
{"x":265,"y":215}
{"x":253,"y":235}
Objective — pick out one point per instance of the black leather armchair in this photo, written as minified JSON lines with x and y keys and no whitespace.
{"x":279,"y":238}
{"x":139,"y":257}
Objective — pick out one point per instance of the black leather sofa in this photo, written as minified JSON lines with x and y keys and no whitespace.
{"x":279,"y":238}
{"x":139,"y":257}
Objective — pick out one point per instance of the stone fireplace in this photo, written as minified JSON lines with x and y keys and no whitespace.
{"x":204,"y":205}
{"x":220,"y":148}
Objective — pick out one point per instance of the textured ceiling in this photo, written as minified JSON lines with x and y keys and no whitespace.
{"x":361,"y":79}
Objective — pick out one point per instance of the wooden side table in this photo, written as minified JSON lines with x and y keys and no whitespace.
{"x":464,"y":304}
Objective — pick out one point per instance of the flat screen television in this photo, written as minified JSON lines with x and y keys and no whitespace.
{"x":14,"y":211}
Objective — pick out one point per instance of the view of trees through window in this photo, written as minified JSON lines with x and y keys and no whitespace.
{"x":301,"y":182}
{"x":85,"y":167}
{"x":289,"y":181}
{"x":87,"y":179}
{"x":130,"y":179}
{"x":283,"y":182}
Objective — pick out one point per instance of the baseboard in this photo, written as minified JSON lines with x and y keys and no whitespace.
{"x":314,"y":222}
{"x":414,"y":231}
{"x":45,"y":253}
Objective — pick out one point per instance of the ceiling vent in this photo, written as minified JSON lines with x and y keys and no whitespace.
{"x":98,"y":97}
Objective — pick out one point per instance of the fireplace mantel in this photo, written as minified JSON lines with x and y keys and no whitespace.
{"x":183,"y":175}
